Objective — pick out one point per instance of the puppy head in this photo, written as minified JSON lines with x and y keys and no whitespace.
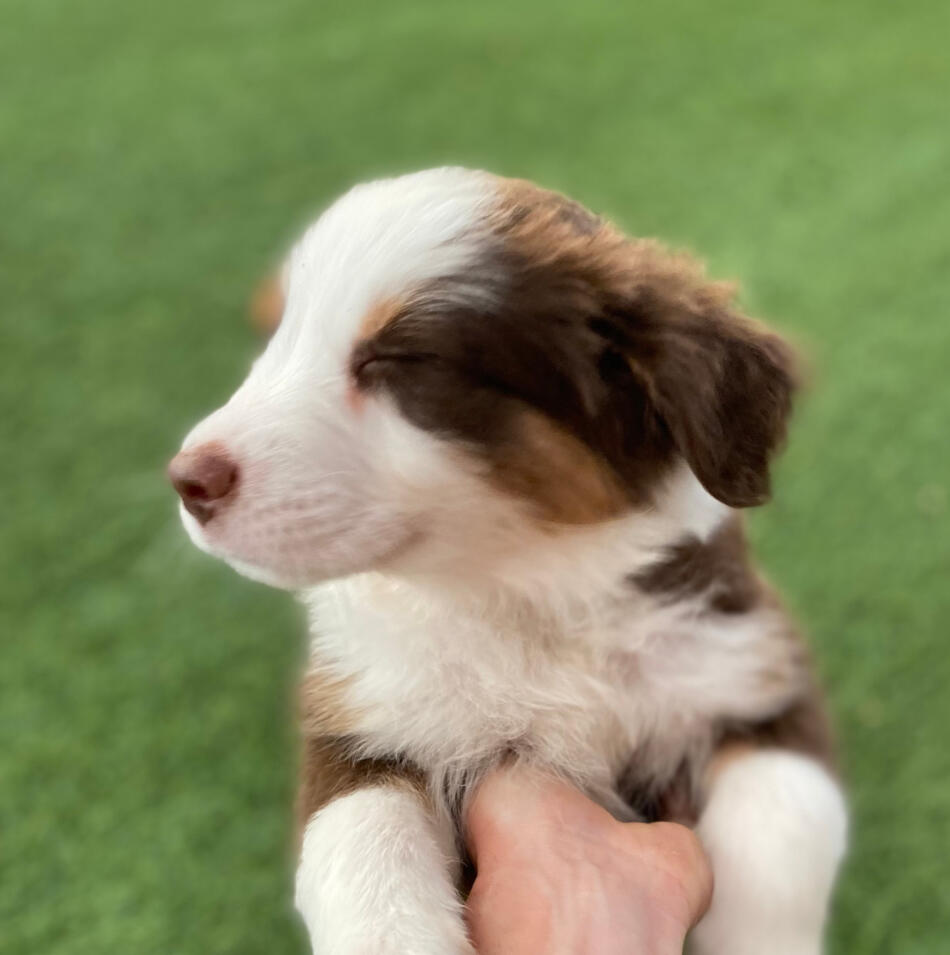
{"x":463,"y":361}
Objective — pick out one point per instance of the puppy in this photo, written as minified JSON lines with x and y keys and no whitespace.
{"x":501,"y":450}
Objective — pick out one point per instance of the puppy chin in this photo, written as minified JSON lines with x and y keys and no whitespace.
{"x":246,"y":568}
{"x":266,"y":575}
{"x":307,"y":572}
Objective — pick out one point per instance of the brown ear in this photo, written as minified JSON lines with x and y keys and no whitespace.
{"x":723,"y":385}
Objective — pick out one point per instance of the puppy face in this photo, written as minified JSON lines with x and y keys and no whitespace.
{"x":464,"y":361}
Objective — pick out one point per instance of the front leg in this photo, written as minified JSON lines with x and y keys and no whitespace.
{"x":377,"y":870}
{"x":774,"y":827}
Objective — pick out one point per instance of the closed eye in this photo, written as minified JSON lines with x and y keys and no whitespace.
{"x":369,"y":356}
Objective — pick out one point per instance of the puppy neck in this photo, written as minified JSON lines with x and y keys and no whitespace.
{"x":568,"y":572}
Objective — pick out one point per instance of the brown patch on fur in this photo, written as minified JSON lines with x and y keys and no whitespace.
{"x":330,"y":767}
{"x":267,"y":304}
{"x":323,"y":706}
{"x":542,"y":214}
{"x":543,"y":463}
{"x":718,"y":567}
{"x":475,"y":356}
{"x":623,"y":345}
{"x":379,"y":315}
{"x":721,"y":383}
{"x":330,"y":770}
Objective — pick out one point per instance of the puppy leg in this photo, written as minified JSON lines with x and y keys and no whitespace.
{"x":377,"y":872}
{"x":775,"y":828}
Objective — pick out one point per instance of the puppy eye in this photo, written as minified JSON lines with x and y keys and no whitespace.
{"x":364,"y":357}
{"x":369,"y":358}
{"x":374,"y":363}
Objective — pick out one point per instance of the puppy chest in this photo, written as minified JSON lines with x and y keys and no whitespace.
{"x":567,"y":711}
{"x":453,"y":691}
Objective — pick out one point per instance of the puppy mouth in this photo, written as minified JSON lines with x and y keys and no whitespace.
{"x":194,"y":526}
{"x":296,"y":568}
{"x":257,"y":570}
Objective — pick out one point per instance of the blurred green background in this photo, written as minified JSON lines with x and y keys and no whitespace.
{"x":156,"y":157}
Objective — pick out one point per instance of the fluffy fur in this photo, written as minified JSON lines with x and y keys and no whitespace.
{"x":497,"y":447}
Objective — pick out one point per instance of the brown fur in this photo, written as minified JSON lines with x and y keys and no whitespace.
{"x":329,"y":768}
{"x":625,"y":347}
{"x":329,"y":771}
{"x":542,"y":463}
{"x":719,"y":567}
{"x":721,"y":383}
{"x":379,"y":315}
{"x":323,"y":705}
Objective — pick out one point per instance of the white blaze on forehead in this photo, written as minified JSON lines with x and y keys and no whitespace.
{"x":378,"y":241}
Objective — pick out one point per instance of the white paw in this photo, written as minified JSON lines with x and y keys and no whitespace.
{"x":419,"y":943}
{"x":376,"y":879}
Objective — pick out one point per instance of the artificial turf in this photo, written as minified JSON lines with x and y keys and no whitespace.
{"x":155,"y":157}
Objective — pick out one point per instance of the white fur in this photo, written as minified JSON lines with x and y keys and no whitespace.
{"x":513,"y":634}
{"x":577,"y":685}
{"x":377,"y":878}
{"x":775,"y":827}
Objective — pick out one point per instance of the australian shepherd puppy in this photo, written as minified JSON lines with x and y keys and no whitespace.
{"x":501,"y":452}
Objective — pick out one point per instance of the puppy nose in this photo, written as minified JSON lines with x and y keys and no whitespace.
{"x":203,"y":477}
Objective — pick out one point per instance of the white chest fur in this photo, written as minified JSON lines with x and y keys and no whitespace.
{"x":454,"y":687}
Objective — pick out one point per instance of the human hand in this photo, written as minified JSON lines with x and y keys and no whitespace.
{"x":558,"y":875}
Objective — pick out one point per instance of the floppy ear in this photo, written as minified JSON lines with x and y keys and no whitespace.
{"x":722,"y":384}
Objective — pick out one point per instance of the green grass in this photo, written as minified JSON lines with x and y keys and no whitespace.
{"x":155,"y":157}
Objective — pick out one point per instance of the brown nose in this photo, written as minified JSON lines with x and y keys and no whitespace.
{"x":203,"y":477}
